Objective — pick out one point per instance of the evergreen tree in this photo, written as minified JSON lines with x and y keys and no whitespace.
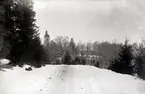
{"x":4,"y":46}
{"x":122,"y":63}
{"x":72,"y":48}
{"x":140,"y":61}
{"x":140,"y":66}
{"x":23,"y":33}
{"x":67,"y":58}
{"x":13,"y":15}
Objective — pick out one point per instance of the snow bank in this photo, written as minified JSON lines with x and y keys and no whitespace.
{"x":4,"y":61}
{"x":64,"y":79}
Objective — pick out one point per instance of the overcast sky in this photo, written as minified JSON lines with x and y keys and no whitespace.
{"x":92,"y":20}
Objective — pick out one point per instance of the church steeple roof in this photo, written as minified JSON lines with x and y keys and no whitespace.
{"x":46,"y":34}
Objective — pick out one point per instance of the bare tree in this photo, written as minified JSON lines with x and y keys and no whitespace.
{"x":62,"y":42}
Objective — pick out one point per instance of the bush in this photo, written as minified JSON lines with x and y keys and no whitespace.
{"x":28,"y":69}
{"x":77,"y":60}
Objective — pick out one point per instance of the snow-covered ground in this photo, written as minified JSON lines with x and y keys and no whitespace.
{"x":65,"y":79}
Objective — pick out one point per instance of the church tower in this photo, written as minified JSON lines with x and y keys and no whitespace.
{"x":46,"y":38}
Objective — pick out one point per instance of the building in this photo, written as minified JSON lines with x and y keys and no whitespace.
{"x":46,"y":39}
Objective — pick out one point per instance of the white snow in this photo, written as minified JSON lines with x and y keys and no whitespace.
{"x":65,"y":79}
{"x":4,"y":61}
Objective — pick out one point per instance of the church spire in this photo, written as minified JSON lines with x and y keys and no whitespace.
{"x":46,"y":34}
{"x":46,"y":38}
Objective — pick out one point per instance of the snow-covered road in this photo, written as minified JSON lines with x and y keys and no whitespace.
{"x":64,"y":79}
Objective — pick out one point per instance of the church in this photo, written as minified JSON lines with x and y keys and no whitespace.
{"x":46,"y":38}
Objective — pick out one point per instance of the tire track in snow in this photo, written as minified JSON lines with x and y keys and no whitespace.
{"x":48,"y":82}
{"x":62,"y":72}
{"x":59,"y":76}
{"x":61,"y":82}
{"x":65,"y":80}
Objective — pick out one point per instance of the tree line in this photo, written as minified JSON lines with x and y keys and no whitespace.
{"x":96,"y":51}
{"x":123,"y":58}
{"x":21,"y":34}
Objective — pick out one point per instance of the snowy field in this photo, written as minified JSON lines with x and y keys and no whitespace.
{"x":64,"y":79}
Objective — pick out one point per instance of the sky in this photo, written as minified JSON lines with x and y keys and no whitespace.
{"x":92,"y":20}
